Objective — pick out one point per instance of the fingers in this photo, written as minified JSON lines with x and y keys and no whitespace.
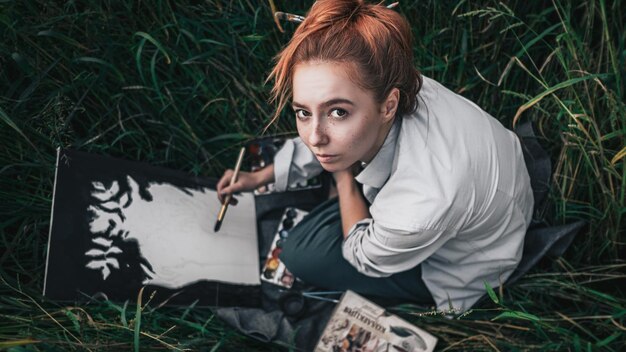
{"x":224,"y":187}
{"x":245,"y":182}
{"x":232,"y":189}
{"x":343,"y":178}
{"x":225,"y":180}
{"x":231,"y":200}
{"x":223,"y":183}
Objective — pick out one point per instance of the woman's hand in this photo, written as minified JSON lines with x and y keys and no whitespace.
{"x":345,"y":177}
{"x":246,"y":182}
{"x":352,"y":206}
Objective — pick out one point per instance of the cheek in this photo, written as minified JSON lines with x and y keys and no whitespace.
{"x":341,"y":132}
{"x":359,"y":134}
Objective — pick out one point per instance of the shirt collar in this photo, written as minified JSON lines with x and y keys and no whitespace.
{"x":377,"y":171}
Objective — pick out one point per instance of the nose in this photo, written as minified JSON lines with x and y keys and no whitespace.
{"x":317,"y":135}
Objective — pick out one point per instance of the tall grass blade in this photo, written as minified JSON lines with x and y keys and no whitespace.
{"x":552,"y":90}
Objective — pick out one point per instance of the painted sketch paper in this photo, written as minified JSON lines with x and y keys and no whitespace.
{"x":175,"y":234}
{"x":360,"y":325}
{"x":118,"y":224}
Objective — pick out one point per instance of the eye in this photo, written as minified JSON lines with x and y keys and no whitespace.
{"x":302,"y":114}
{"x":338,"y":114}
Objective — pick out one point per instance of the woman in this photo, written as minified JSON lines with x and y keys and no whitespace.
{"x":441,"y":199}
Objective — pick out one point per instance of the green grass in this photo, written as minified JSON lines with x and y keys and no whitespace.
{"x":181,"y":85}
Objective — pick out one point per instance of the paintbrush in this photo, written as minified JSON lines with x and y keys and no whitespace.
{"x":233,"y":179}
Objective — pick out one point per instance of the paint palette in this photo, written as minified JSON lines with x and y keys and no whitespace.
{"x":274,"y":271}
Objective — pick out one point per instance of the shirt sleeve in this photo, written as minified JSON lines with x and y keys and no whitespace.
{"x":379,"y":251}
{"x":293,"y":163}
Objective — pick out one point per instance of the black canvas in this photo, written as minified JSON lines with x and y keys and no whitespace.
{"x":92,"y":251}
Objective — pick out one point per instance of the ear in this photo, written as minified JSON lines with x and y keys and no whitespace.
{"x":390,"y":105}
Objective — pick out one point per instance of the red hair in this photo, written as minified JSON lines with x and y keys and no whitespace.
{"x":375,"y":42}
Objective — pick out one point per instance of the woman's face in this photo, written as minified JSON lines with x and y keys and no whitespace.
{"x":339,"y":121}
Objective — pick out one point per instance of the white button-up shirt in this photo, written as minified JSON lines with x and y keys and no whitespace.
{"x":448,"y":190}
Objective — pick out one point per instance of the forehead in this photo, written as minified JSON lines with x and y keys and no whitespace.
{"x":317,"y":82}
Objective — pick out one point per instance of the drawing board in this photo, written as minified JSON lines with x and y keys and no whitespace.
{"x":118,"y":225}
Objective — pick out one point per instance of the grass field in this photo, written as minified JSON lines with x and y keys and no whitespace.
{"x":182,"y":85}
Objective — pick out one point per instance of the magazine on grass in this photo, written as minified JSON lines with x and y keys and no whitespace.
{"x":118,"y":225}
{"x":357,"y":324}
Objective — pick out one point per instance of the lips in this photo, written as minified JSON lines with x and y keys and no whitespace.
{"x":326,"y":158}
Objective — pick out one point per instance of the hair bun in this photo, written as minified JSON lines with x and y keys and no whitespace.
{"x":372,"y":41}
{"x":333,"y":11}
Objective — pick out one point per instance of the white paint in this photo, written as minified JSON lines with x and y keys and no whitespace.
{"x":175,"y":234}
{"x":103,"y":193}
{"x":102,"y":241}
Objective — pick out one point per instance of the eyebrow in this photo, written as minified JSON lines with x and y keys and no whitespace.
{"x":325,"y":104}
